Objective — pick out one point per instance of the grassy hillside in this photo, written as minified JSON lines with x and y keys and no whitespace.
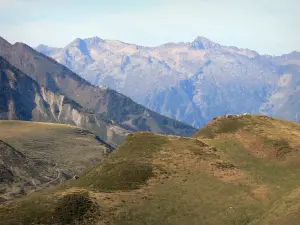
{"x":238,"y":170}
{"x":34,"y":154}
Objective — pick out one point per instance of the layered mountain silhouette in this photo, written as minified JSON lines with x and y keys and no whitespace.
{"x":192,"y":82}
{"x":36,"y":87}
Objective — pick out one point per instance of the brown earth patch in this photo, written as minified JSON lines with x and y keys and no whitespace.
{"x":275,"y":148}
{"x":190,"y":163}
{"x":261,"y":192}
{"x":228,"y":172}
{"x":172,"y":161}
{"x":255,"y":146}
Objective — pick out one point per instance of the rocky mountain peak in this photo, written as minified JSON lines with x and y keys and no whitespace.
{"x":42,"y":46}
{"x":21,"y":45}
{"x":293,"y":54}
{"x":204,"y":43}
{"x":2,"y":40}
{"x":94,"y":40}
{"x":4,"y":44}
{"x":80,"y":44}
{"x":76,"y":42}
{"x":45,"y":49}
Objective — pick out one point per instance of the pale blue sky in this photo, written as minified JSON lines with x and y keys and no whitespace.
{"x":267,"y":26}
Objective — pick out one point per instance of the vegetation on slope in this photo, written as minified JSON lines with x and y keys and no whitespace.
{"x":244,"y":172}
{"x":128,"y":167}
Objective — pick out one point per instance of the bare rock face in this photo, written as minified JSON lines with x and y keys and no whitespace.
{"x":191,"y":82}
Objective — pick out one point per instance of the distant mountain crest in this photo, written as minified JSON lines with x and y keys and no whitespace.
{"x":94,"y":40}
{"x":81,"y":45}
{"x":204,"y":43}
{"x":46,"y":49}
{"x":4,"y":44}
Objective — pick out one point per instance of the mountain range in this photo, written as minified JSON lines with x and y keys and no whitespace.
{"x":36,"y":87}
{"x":191,"y":82}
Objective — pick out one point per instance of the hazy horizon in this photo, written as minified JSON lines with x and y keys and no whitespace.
{"x":268,"y":27}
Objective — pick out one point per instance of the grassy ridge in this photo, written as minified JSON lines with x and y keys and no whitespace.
{"x":126,"y":168}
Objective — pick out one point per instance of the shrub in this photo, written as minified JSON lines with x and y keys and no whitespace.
{"x":74,"y":207}
{"x":124,"y":175}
